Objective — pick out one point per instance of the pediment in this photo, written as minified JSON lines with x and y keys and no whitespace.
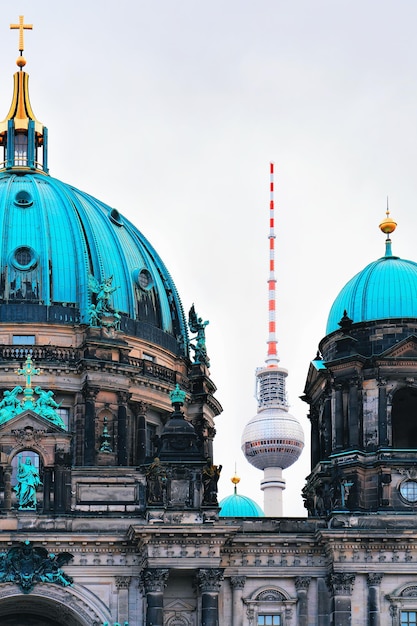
{"x":405,"y":349}
{"x":29,"y":419}
{"x":179,"y":605}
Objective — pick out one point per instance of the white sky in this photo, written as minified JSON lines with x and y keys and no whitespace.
{"x":171,"y":111}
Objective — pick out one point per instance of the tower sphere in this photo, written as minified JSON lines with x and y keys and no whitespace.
{"x":273,"y":438}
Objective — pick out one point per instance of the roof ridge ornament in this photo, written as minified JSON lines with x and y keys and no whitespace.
{"x":21,"y":26}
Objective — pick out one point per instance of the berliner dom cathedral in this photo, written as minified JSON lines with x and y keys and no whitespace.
{"x":108,"y":491}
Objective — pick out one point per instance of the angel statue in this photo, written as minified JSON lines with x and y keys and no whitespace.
{"x":197,"y":325}
{"x":102,"y":313}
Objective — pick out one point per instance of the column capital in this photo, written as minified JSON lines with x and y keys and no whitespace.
{"x":155,"y":579}
{"x":341,"y":583}
{"x":374,"y":579}
{"x":122,"y":582}
{"x":123,"y":397}
{"x":302,"y":582}
{"x":210,"y":579}
{"x":90,"y":393}
{"x":238,"y":582}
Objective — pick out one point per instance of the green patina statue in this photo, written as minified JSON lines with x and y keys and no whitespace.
{"x":28,"y":481}
{"x":45,"y":405}
{"x":102,"y":314}
{"x":197,"y":325}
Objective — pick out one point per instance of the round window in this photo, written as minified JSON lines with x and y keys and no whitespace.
{"x":115,"y":217}
{"x":23,"y":199}
{"x":143,"y":279}
{"x":408,"y":490}
{"x":24,"y":258}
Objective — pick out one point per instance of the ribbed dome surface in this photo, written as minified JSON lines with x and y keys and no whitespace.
{"x":53,"y":237}
{"x":239,"y":506}
{"x":386,"y":288}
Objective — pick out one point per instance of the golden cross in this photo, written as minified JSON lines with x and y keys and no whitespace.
{"x":21,"y":26}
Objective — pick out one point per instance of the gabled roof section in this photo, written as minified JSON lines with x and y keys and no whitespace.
{"x":407,"y":348}
{"x":32,"y":420}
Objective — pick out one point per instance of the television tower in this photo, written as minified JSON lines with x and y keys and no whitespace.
{"x":273,"y":439}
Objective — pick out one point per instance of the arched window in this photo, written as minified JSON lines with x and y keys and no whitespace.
{"x":404,"y":418}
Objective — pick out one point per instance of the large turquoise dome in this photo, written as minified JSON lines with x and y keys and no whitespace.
{"x":68,"y":258}
{"x":384,"y":289}
{"x":55,"y":238}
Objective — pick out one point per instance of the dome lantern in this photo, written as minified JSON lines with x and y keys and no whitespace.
{"x":24,"y":139}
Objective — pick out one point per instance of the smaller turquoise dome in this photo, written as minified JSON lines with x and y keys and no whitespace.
{"x":384,"y":289}
{"x":239,"y":506}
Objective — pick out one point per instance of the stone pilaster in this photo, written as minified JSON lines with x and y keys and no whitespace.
{"x":302,"y":584}
{"x":122,"y":586}
{"x":374,"y":581}
{"x":90,"y":395}
{"x":8,"y":488}
{"x":238,"y":584}
{"x":209,"y":581}
{"x":139,"y":452}
{"x":155,"y":581}
{"x":341,"y":587}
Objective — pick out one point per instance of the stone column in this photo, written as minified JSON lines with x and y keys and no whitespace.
{"x":341,"y":587}
{"x":374,"y":580}
{"x":353,"y":413}
{"x":382,"y":415}
{"x":338,"y":417}
{"x":237,"y":584}
{"x":122,"y":451}
{"x":209,"y":581}
{"x":315,"y":451}
{"x":302,"y":584}
{"x":140,"y":415}
{"x":155,"y":581}
{"x":90,"y":394}
{"x":122,"y":586}
{"x":8,"y":488}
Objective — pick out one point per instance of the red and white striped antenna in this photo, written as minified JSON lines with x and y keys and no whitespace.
{"x":272,"y":357}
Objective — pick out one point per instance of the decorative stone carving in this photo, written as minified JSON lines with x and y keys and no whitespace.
{"x":155,"y":579}
{"x":210,"y":579}
{"x":270,"y":595}
{"x":341,"y":583}
{"x":302,"y":582}
{"x":26,"y":565}
{"x":123,"y":582}
{"x":374,"y":579}
{"x":238,"y":582}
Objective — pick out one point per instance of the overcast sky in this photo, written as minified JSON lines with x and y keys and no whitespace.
{"x":172,"y":111}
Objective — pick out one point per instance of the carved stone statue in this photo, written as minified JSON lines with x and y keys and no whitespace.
{"x":197,"y":325}
{"x":156,"y":478}
{"x":210,"y":478}
{"x":27,"y":482}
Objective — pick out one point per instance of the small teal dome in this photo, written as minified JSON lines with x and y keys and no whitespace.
{"x":239,"y":506}
{"x":384,"y":289}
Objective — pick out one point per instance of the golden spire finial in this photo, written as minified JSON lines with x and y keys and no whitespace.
{"x":21,"y":61}
{"x":388,"y":225}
